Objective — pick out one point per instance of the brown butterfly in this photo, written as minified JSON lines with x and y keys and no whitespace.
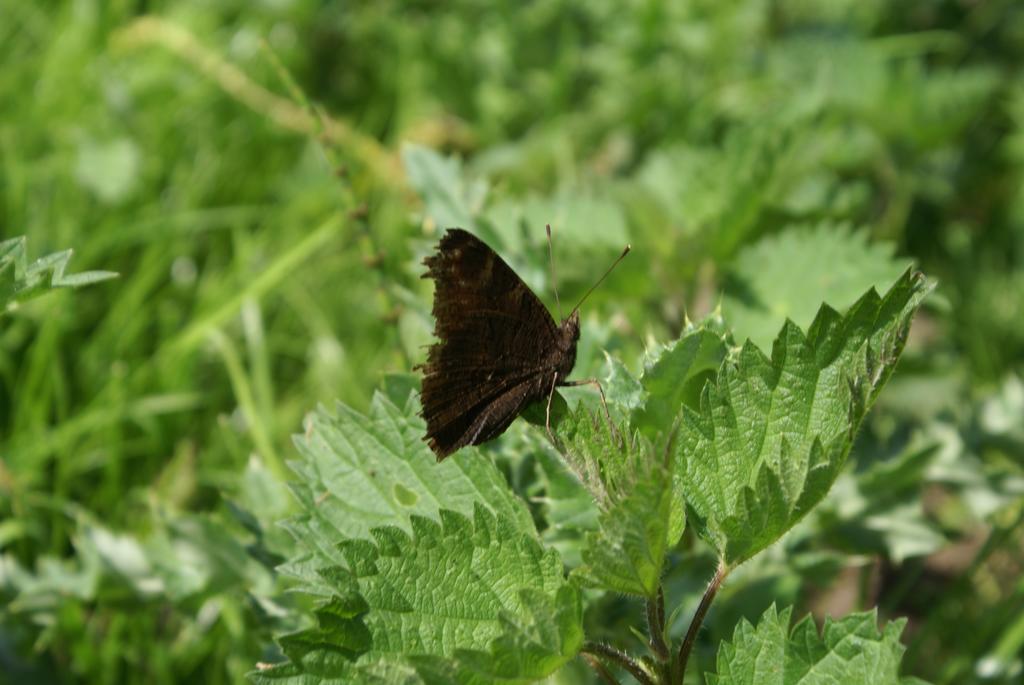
{"x":498,"y":348}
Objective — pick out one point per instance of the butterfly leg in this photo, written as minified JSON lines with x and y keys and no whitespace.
{"x":547,"y":414}
{"x":597,"y":384}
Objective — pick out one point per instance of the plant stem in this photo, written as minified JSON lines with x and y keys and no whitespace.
{"x":656,"y":626}
{"x":602,"y":671}
{"x":619,"y":657}
{"x":679,"y":670}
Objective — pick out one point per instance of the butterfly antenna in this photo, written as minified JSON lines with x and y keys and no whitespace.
{"x":600,"y":280}
{"x":554,"y":281}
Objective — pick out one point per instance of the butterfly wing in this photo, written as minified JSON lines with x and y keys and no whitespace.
{"x":493,"y":335}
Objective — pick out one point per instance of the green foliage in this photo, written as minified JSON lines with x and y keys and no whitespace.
{"x":360,"y":472}
{"x":185,"y":560}
{"x":407,"y":583}
{"x":21,"y":280}
{"x":641,"y":515}
{"x":789,"y":275}
{"x":638,"y":520}
{"x":719,"y":191}
{"x":850,"y":650}
{"x":435,"y":602}
{"x":266,"y":178}
{"x":627,"y":552}
{"x":879,"y":510}
{"x":674,"y":377}
{"x":450,"y":199}
{"x":772,"y":434}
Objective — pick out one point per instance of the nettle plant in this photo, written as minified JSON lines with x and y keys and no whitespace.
{"x":428,"y":572}
{"x":22,"y":280}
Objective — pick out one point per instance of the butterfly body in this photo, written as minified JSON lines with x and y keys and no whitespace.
{"x":498,"y":349}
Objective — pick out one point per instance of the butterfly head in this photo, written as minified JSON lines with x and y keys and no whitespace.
{"x":569,"y":334}
{"x":570,"y":328}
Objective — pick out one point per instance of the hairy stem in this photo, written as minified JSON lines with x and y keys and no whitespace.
{"x":619,"y":657}
{"x":679,"y":670}
{"x":656,"y":626}
{"x":602,"y":671}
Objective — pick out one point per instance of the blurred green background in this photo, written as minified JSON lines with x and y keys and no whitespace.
{"x":266,"y":176}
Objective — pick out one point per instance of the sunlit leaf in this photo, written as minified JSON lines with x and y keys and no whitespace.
{"x":771,"y":434}
{"x":851,"y":650}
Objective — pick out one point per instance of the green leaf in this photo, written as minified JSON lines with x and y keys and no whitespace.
{"x":600,"y":509}
{"x":626,"y":554}
{"x":453,"y":587}
{"x":675,"y":376}
{"x":584,"y":222}
{"x":851,"y":650}
{"x":568,"y":508}
{"x":359,"y":472}
{"x":718,"y":191}
{"x":624,"y":391}
{"x":375,"y":673}
{"x":631,"y":485}
{"x":603,"y":457}
{"x":20,"y":280}
{"x":464,"y":600}
{"x":789,"y":275}
{"x":450,"y":198}
{"x":532,"y":644}
{"x":926,"y":112}
{"x":771,"y":434}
